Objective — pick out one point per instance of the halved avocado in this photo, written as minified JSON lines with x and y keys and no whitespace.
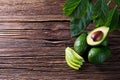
{"x":97,"y":36}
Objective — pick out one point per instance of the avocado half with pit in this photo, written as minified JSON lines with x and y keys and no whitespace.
{"x":97,"y":36}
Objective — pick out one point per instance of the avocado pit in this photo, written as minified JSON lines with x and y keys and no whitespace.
{"x":97,"y":36}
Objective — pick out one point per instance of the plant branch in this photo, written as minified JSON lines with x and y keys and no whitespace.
{"x":109,"y":2}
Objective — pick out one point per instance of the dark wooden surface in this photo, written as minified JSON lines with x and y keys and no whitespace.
{"x":33,"y":36}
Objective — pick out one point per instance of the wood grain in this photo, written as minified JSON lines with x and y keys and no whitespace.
{"x":33,"y":37}
{"x":31,"y":10}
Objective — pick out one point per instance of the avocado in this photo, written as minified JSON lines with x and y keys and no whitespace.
{"x":97,"y":55}
{"x":72,"y":64}
{"x":73,"y":59}
{"x":80,"y":44}
{"x":97,"y":36}
{"x":73,"y":54}
{"x":105,"y":42}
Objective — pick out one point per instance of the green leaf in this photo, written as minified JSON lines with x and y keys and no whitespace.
{"x":113,"y":19}
{"x":81,"y":9}
{"x":98,"y":22}
{"x":70,"y":6}
{"x":78,"y":25}
{"x":100,"y":10}
{"x":110,"y":16}
{"x":117,"y":2}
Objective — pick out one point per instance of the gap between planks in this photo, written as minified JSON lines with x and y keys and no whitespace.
{"x":40,"y":18}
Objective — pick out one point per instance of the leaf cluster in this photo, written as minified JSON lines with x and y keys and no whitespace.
{"x":83,"y":12}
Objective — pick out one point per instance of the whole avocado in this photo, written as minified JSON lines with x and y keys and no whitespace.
{"x":97,"y":55}
{"x":80,"y":45}
{"x":105,"y":42}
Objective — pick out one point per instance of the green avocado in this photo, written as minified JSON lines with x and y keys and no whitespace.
{"x":97,"y":36}
{"x":98,"y":55}
{"x":80,"y":44}
{"x":105,"y":42}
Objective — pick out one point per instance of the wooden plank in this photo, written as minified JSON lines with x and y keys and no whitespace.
{"x":30,"y":7}
{"x":29,"y":10}
{"x":44,"y":34}
{"x":39,"y":18}
{"x":43,"y":29}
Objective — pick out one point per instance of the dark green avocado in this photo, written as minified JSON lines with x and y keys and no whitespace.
{"x":98,"y":55}
{"x":80,"y":44}
{"x":105,"y":42}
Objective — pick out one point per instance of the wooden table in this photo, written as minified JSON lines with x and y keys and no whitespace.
{"x":33,"y":37}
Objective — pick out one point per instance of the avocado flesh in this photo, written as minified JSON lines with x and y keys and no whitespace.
{"x":77,"y":62}
{"x":73,"y":59}
{"x":73,"y":54}
{"x":104,"y":30}
{"x":71,"y":65}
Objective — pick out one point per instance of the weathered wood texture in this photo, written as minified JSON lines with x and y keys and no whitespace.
{"x":33,"y":36}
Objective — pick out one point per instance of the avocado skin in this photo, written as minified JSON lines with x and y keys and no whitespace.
{"x":105,"y":42}
{"x":85,"y":55}
{"x":98,"y":55}
{"x":80,"y":44}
